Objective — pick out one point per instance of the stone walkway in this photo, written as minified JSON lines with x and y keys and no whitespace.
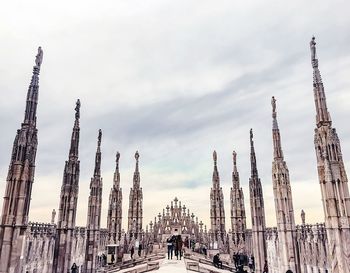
{"x":172,"y":266}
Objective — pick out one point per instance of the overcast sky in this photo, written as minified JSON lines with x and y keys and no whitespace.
{"x":174,"y":80}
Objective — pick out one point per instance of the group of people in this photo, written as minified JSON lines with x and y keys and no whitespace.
{"x":174,"y":243}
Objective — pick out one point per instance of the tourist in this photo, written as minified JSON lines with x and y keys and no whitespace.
{"x":74,"y":268}
{"x":132,"y":250}
{"x":178,"y":247}
{"x":216,"y":261}
{"x":266,"y":268}
{"x":140,"y":250}
{"x":204,"y":250}
{"x":250,"y":263}
{"x":170,"y":248}
{"x":289,"y":271}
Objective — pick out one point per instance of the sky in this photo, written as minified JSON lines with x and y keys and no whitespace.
{"x":174,"y":80}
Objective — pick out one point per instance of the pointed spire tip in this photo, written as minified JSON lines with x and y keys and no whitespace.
{"x":117,"y":156}
{"x":77,"y":109}
{"x":39,"y":57}
{"x":99,"y":137}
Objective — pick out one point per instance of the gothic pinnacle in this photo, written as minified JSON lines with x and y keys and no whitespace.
{"x":97,"y":171}
{"x":137,"y":155}
{"x":116,"y":174}
{"x":77,"y":110}
{"x":215,"y":158}
{"x":322,"y":115}
{"x":234,"y":155}
{"x":254,"y":170}
{"x":73,"y":152}
{"x":33,"y":91}
{"x":117,"y":157}
{"x":276,"y":137}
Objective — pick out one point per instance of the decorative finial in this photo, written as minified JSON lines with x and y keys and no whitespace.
{"x":99,"y":137}
{"x":251,"y":134}
{"x":39,"y":57}
{"x":215,"y":157}
{"x":137,"y":156}
{"x":273,"y":103}
{"x":117,"y":156}
{"x":313,"y":48}
{"x":234,"y":154}
{"x":77,"y":109}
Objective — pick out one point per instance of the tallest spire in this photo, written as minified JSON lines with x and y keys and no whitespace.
{"x":322,"y":115}
{"x":33,"y":91}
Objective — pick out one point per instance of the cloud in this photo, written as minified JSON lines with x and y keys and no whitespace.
{"x":174,"y":81}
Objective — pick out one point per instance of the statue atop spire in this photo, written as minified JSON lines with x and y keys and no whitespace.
{"x":313,"y":49}
{"x":137,"y":155}
{"x":273,"y":103}
{"x":278,"y":154}
{"x":254,"y":169}
{"x":117,"y":156}
{"x":215,"y":158}
{"x":97,"y":171}
{"x":39,"y":57}
{"x":99,"y":138}
{"x":77,"y":109}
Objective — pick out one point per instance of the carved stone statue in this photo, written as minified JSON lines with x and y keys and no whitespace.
{"x":99,"y":137}
{"x":39,"y":57}
{"x":215,"y":157}
{"x":234,"y":154}
{"x":273,"y":103}
{"x":137,"y":155}
{"x":313,"y":48}
{"x":77,"y":109}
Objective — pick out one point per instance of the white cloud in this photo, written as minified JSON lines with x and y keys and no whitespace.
{"x":174,"y":80}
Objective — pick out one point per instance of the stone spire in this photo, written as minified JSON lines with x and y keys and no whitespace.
{"x":114,"y":216}
{"x":238,"y":217}
{"x":302,"y":215}
{"x":15,"y":209}
{"x":253,"y":167}
{"x":332,"y":177}
{"x":322,"y":115}
{"x":135,"y":203}
{"x":68,"y":202}
{"x":33,"y":91}
{"x":277,"y":149}
{"x":94,"y":214}
{"x":257,"y":211}
{"x":283,"y":202}
{"x":217,"y":210}
{"x":53,"y":216}
{"x":97,"y":171}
